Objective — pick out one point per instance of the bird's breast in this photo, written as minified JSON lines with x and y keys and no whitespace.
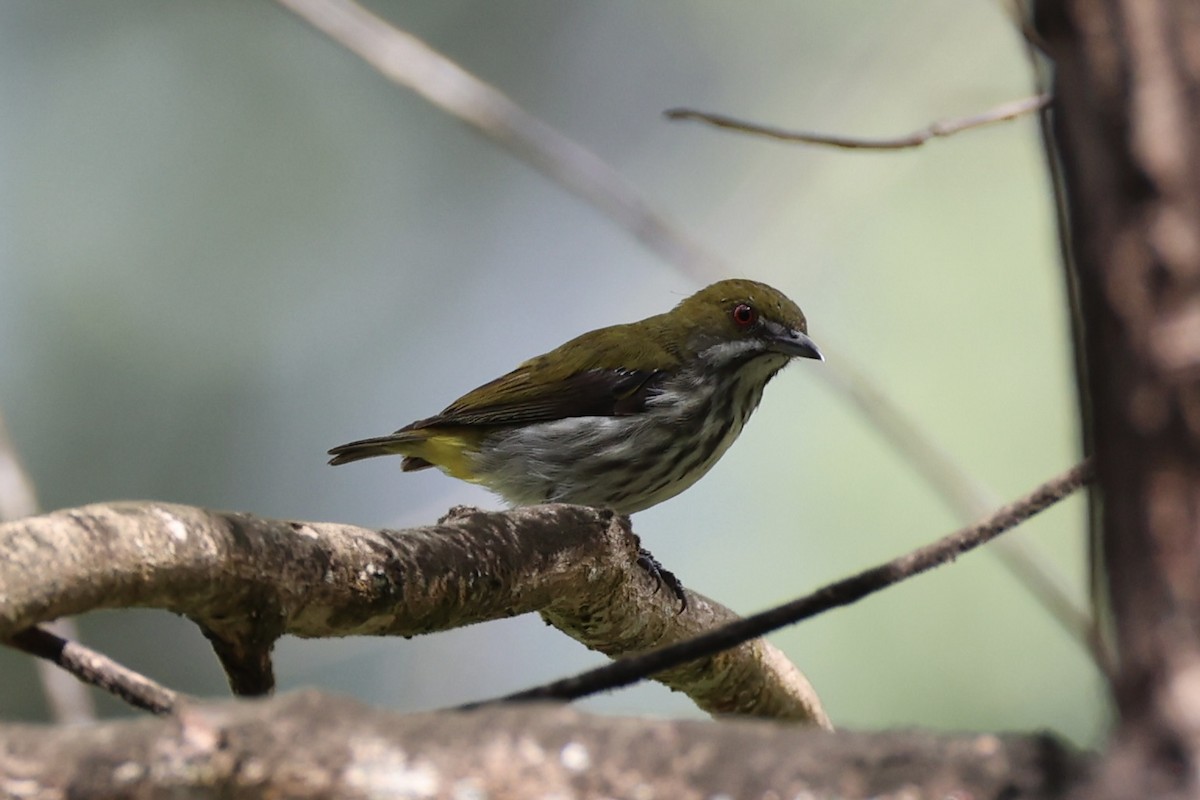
{"x":629,"y":462}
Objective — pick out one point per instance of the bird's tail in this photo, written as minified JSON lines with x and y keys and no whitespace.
{"x":391,"y":445}
{"x":449,"y":450}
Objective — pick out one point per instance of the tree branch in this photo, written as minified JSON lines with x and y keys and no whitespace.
{"x":247,"y":580}
{"x":310,"y":745}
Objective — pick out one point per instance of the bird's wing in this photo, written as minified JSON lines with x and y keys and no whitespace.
{"x":585,"y":377}
{"x":516,"y":399}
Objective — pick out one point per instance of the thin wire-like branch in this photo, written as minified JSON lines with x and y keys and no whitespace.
{"x":968,"y":499}
{"x":97,"y":670}
{"x":946,"y":127}
{"x":834,"y":595}
{"x":68,"y":700}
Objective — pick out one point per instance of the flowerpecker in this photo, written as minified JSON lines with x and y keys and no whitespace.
{"x":622,"y":417}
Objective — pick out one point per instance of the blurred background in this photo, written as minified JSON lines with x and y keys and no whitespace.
{"x":226,"y":245}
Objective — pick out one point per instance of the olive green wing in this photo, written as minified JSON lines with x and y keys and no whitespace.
{"x":514,"y":399}
{"x":604,"y":373}
{"x":591,"y":375}
{"x":510,"y":401}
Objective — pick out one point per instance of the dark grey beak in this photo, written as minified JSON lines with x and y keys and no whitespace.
{"x":796,"y":344}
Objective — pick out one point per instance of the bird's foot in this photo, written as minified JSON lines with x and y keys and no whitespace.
{"x":661,"y":576}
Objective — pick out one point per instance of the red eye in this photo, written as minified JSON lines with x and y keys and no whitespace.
{"x":744,"y":316}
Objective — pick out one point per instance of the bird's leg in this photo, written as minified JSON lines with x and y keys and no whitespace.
{"x":662,"y":575}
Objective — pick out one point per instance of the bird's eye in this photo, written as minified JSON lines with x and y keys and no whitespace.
{"x":744,"y":315}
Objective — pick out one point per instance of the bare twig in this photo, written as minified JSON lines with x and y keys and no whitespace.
{"x":841,"y":593}
{"x":96,"y":669}
{"x":247,"y":581}
{"x":969,"y":499}
{"x":947,"y":127}
{"x":68,"y":700}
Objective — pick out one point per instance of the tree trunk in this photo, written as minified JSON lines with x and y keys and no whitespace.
{"x":1127,"y":128}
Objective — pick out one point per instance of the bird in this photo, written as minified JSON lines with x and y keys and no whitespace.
{"x":623,"y":417}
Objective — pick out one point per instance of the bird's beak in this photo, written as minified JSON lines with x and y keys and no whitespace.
{"x":794,"y":343}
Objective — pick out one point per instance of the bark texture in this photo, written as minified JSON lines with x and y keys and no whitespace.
{"x":247,"y":580}
{"x":273,"y":748}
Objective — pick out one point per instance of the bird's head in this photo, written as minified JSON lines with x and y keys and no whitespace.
{"x":735,"y":321}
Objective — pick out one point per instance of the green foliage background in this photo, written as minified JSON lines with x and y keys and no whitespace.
{"x":226,"y":245}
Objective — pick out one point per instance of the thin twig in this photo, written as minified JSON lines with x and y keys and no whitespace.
{"x":968,"y":499}
{"x":97,"y":670}
{"x":946,"y":127}
{"x":834,"y":595}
